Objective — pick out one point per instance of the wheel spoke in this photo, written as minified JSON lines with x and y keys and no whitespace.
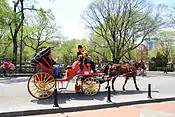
{"x":47,"y":79}
{"x":48,"y":92}
{"x":38,"y":79}
{"x":35,"y":93}
{"x":34,"y":89}
{"x":50,"y":81}
{"x":42,"y":94}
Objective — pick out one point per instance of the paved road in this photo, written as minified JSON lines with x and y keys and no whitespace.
{"x":165,"y":109}
{"x":14,"y":95}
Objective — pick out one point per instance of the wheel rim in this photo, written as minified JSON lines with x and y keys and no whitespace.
{"x":44,"y":81}
{"x":91,"y":86}
{"x":38,"y":89}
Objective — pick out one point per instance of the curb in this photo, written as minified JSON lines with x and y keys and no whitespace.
{"x":81,"y":108}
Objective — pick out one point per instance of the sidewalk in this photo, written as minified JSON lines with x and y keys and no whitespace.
{"x":164,"y":109}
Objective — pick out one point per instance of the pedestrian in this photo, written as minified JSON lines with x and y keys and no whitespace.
{"x":5,"y":66}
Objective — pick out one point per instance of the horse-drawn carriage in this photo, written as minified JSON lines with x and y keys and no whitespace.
{"x":41,"y":85}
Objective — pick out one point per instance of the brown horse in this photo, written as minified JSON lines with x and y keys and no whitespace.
{"x":127,"y":70}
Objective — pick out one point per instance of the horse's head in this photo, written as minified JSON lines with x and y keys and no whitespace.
{"x":139,"y":65}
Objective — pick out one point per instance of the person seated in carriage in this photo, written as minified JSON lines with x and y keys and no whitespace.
{"x":56,"y":68}
{"x":45,"y":61}
{"x":84,"y":59}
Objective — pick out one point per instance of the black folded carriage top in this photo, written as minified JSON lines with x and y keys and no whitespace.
{"x":36,"y":58}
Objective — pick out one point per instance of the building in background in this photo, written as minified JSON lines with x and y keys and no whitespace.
{"x":142,"y":52}
{"x":151,"y":44}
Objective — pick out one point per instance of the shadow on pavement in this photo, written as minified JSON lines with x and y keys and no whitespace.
{"x":130,"y":92}
{"x":69,"y":96}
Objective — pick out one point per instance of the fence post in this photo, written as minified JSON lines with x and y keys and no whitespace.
{"x":55,"y":98}
{"x":149,"y":91}
{"x":109,"y":94}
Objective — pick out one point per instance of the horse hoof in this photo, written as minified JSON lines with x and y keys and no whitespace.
{"x":137,"y":89}
{"x":114,"y":90}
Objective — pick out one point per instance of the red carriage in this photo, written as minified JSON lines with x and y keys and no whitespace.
{"x":41,"y":85}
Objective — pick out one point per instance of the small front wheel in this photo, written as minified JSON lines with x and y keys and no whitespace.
{"x":90,"y":86}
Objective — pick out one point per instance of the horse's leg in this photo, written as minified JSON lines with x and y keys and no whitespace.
{"x":113,"y":80}
{"x":107,"y":84}
{"x":135,"y":83}
{"x":126,"y":79}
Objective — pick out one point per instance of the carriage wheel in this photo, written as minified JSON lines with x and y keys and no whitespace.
{"x":90,"y":86}
{"x":40,"y":85}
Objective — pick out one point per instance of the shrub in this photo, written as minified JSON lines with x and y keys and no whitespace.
{"x":160,"y":60}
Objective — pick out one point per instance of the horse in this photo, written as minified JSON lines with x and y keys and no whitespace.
{"x":128,"y":70}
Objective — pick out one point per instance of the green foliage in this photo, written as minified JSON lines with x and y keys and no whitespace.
{"x":122,"y":24}
{"x":66,"y":51}
{"x":42,"y":32}
{"x":165,"y":42}
{"x":160,"y":60}
{"x":130,"y":56}
{"x":98,"y":49}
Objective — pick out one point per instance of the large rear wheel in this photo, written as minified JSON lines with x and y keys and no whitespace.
{"x":40,"y":85}
{"x":90,"y":86}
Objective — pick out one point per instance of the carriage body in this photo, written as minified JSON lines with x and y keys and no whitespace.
{"x":42,"y":84}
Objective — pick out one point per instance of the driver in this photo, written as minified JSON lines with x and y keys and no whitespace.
{"x":83,"y":58}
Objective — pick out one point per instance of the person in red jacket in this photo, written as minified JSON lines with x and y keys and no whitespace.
{"x":5,"y":66}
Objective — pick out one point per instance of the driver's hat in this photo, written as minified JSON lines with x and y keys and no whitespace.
{"x":80,"y":46}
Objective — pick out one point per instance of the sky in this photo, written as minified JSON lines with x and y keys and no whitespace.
{"x":68,"y":15}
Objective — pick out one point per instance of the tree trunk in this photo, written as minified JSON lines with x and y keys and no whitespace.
{"x":115,"y":58}
{"x":15,"y":49}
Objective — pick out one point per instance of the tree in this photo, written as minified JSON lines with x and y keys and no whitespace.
{"x":173,"y":54}
{"x":5,"y":16}
{"x":160,"y":60}
{"x":165,"y":42}
{"x":42,"y":30}
{"x":66,"y":50}
{"x":15,"y":25}
{"x":98,"y":49}
{"x":123,"y":24}
{"x":130,"y":55}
